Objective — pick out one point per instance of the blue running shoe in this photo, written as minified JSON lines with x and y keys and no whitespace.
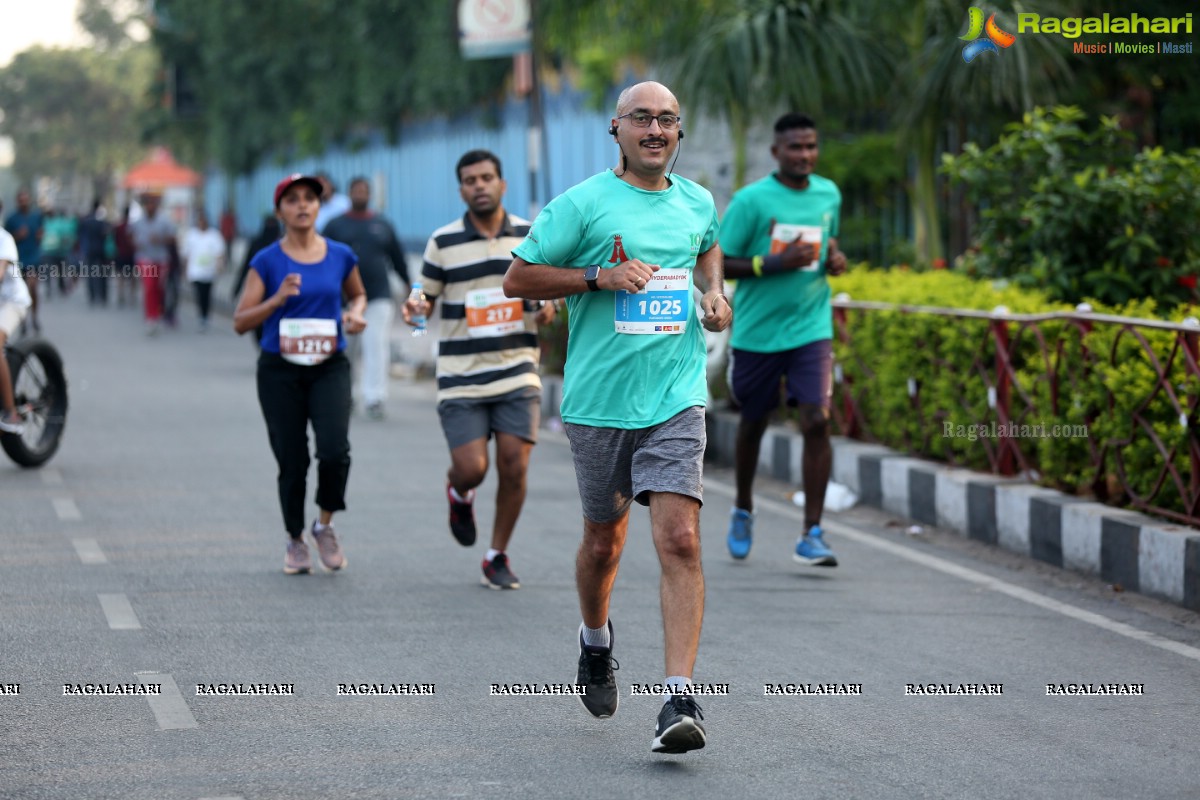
{"x":741,"y":533}
{"x":812,"y":550}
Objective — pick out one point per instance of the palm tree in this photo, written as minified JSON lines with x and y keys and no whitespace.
{"x":936,"y":90}
{"x":755,"y":56}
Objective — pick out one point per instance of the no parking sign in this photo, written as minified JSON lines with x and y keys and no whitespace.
{"x":493,"y":28}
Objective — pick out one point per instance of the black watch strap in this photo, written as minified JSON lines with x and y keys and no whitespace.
{"x":591,"y":276}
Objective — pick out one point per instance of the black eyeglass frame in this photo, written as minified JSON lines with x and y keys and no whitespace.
{"x":649,"y":117}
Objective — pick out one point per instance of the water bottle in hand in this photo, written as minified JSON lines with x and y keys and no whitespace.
{"x":417,"y":295}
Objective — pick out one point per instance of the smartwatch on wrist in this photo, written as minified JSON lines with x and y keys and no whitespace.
{"x":590,"y":277}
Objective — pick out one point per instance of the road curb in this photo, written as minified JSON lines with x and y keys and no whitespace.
{"x":1137,"y":552}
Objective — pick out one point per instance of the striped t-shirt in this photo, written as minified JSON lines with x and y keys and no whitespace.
{"x":488,"y":344}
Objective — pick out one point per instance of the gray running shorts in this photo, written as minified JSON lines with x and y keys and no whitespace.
{"x":518,"y":412}
{"x":615,"y":466}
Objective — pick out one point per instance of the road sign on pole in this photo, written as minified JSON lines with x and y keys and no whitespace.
{"x":493,"y":28}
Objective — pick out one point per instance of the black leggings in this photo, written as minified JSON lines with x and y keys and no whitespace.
{"x":203,"y":291}
{"x":290,"y":396}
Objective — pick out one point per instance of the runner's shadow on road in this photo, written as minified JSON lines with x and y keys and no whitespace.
{"x":820,"y":577}
{"x":660,"y":765}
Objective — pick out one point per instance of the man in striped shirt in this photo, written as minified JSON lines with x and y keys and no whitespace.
{"x":487,"y":364}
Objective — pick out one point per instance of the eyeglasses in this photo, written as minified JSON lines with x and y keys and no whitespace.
{"x":640,"y":119}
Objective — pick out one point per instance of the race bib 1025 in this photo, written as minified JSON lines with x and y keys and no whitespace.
{"x":663,"y":306}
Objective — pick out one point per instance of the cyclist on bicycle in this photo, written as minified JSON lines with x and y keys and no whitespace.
{"x":14,"y":304}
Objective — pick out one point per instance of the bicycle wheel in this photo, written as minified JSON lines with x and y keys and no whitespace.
{"x":40,"y":390}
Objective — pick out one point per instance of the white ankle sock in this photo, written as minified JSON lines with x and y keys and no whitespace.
{"x":458,"y":497}
{"x":596,"y":637}
{"x":676,"y":681}
{"x":492,"y":553}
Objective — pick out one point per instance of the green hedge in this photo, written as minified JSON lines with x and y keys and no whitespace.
{"x":951,"y":363}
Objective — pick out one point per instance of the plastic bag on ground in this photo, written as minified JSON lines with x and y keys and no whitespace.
{"x":837,"y":497}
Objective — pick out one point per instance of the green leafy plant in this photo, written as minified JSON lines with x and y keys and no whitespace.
{"x":1077,"y":214}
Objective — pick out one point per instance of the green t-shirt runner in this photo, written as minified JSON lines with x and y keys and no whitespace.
{"x":785,"y":310}
{"x":623,"y":379}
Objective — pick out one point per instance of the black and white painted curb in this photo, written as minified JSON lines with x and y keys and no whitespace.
{"x":1125,"y":548}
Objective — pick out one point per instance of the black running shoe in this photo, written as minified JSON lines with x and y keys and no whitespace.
{"x":679,"y":729}
{"x":498,"y":575}
{"x":462,"y":518}
{"x":596,"y":666}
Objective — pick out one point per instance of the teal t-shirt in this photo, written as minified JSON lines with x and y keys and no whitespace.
{"x":58,"y":236}
{"x":783,"y":310}
{"x":627,"y":380}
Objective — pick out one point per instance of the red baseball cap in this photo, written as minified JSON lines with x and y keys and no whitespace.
{"x":293,"y":179}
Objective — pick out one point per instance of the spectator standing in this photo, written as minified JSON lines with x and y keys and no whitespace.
{"x":378,"y":250}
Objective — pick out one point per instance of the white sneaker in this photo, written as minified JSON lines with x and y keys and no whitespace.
{"x":11,"y":422}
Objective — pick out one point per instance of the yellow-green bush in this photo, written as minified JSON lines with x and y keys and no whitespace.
{"x":951,"y":362}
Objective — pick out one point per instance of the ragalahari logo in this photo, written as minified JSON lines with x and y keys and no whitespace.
{"x":995,"y":38}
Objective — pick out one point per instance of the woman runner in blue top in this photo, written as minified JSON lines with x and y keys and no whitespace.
{"x":294,"y":289}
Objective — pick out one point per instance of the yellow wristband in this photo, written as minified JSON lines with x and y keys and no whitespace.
{"x":756,"y":264}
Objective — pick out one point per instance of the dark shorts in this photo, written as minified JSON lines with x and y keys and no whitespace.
{"x":615,"y":466}
{"x":806,"y":371}
{"x":518,"y":413}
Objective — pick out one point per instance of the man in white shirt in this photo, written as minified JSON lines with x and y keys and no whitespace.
{"x":14,"y":304}
{"x":204,"y":254}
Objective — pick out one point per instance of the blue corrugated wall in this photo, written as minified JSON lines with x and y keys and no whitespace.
{"x":414,"y":181}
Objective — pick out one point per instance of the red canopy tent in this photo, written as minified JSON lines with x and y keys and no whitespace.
{"x":164,"y":176}
{"x":159,"y":172}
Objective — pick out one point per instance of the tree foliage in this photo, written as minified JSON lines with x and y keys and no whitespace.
{"x":287,"y":77}
{"x":75,"y":112}
{"x":110,"y":23}
{"x":277,"y":75}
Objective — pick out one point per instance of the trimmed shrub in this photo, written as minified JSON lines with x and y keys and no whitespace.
{"x":917,"y":377}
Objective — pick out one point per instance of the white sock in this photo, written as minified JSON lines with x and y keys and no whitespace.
{"x":492,"y":553}
{"x":459,"y":498}
{"x":676,"y":681}
{"x":596,"y":637}
{"x":319,"y":528}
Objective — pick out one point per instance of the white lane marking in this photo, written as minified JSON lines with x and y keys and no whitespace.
{"x":89,"y":551}
{"x":66,"y":509}
{"x":52,"y":477}
{"x":978,"y":578}
{"x":119,"y":613}
{"x":170,"y":709}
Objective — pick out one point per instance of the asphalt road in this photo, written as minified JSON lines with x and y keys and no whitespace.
{"x":149,"y":552}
